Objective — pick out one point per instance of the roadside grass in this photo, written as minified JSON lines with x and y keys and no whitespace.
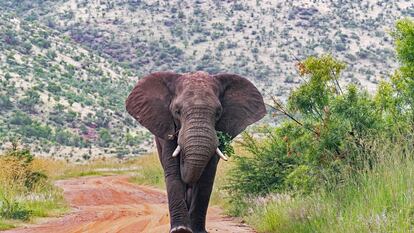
{"x":379,"y":200}
{"x":150,"y":172}
{"x":21,"y":199}
{"x":100,"y":167}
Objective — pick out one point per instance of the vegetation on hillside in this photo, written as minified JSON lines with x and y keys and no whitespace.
{"x":259,"y":39}
{"x":62,"y":99}
{"x":341,"y":161}
{"x":67,"y":65}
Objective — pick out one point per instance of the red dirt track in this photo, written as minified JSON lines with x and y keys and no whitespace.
{"x":112,"y":204}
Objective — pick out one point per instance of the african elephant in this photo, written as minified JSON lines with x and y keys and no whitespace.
{"x":184,"y":111}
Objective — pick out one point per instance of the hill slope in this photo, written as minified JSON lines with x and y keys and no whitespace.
{"x":67,"y":65}
{"x":59,"y":96}
{"x":259,"y":39}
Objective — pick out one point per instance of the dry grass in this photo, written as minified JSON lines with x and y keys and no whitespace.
{"x":150,"y":172}
{"x":12,"y":172}
{"x":22,"y":197}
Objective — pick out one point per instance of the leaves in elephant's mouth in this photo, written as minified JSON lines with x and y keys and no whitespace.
{"x":225,"y":143}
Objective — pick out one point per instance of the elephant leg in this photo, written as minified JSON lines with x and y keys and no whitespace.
{"x":179,"y":217}
{"x":200,"y":197}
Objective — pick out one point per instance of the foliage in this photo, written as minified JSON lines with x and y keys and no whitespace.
{"x":22,"y":158}
{"x":25,"y":191}
{"x":402,"y":82}
{"x":225,"y":143}
{"x":58,"y":96}
{"x":340,"y":161}
{"x":324,"y":140}
{"x":5,"y":102}
{"x":379,"y":200}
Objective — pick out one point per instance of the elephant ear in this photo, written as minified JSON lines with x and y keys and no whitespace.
{"x":149,"y":103}
{"x":242,"y":104}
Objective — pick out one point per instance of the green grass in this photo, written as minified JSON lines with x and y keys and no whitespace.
{"x":380,"y":200}
{"x":22,"y":203}
{"x":19,"y":206}
{"x":5,"y":226}
{"x":150,"y":172}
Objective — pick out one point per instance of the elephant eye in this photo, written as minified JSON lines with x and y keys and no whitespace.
{"x":178,"y":112}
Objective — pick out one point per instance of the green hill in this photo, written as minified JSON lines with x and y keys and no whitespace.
{"x":67,"y":65}
{"x":259,"y":39}
{"x":61,"y":98}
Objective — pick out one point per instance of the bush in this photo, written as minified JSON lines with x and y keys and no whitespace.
{"x":18,"y":162}
{"x":20,"y":180}
{"x":20,"y":118}
{"x":5,"y":102}
{"x":325,"y":138}
{"x":35,"y":130}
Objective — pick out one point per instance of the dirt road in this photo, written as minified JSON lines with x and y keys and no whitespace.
{"x":112,"y":204}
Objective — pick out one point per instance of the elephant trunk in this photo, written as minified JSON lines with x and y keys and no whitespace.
{"x":198,"y":144}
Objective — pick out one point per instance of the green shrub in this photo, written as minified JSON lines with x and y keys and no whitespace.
{"x":21,"y":181}
{"x":5,"y":102}
{"x":20,"y":118}
{"x":35,"y":130}
{"x":325,"y":138}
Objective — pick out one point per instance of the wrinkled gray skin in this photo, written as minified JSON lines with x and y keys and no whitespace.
{"x":187,"y":110}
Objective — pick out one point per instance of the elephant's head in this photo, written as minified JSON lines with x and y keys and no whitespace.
{"x":190,"y":108}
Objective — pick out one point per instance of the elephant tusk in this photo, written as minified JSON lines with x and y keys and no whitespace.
{"x":222,"y":156}
{"x":176,"y":151}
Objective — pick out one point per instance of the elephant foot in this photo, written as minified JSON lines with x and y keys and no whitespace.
{"x":181,"y":229}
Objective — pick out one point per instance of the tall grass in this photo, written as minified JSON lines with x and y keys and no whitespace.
{"x":378,"y":200}
{"x":26,"y":192}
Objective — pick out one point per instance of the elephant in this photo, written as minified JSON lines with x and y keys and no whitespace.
{"x":184,"y":112}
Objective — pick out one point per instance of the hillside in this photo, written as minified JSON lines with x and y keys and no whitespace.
{"x":259,"y":39}
{"x":67,"y":65}
{"x":59,"y":97}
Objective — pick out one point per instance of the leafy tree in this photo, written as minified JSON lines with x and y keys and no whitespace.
{"x":403,"y":80}
{"x":67,"y":138}
{"x":36,"y":130}
{"x":323,"y":137}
